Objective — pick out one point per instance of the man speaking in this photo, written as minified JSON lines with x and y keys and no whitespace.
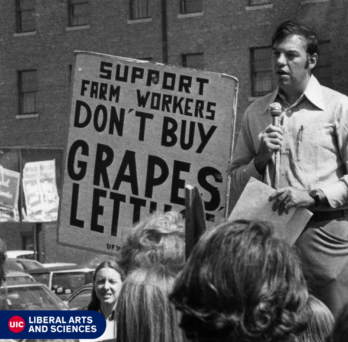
{"x":304,"y":158}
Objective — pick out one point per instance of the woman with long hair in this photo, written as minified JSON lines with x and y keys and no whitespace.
{"x":144,"y":312}
{"x":107,"y":282}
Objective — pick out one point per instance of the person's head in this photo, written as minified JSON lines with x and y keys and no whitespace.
{"x":144,"y":312}
{"x":160,"y":238}
{"x":240,"y":284}
{"x":295,"y":53}
{"x":340,"y":330}
{"x":320,"y":321}
{"x":107,"y":282}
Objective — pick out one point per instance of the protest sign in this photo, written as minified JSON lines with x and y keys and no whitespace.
{"x":138,"y":133}
{"x":40,"y":191}
{"x":9,"y":187}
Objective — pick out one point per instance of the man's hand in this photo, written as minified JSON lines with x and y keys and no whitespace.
{"x":271,"y":141}
{"x":289,"y":197}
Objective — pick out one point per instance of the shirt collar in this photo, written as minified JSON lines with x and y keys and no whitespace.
{"x":112,"y":315}
{"x":312,"y":93}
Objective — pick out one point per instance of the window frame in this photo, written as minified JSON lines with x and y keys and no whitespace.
{"x":254,"y":72}
{"x":183,"y":7}
{"x":132,"y":10}
{"x":184,"y":60}
{"x":21,"y":93}
{"x":19,"y":15}
{"x":71,"y":16}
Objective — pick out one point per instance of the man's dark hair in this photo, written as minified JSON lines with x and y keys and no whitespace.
{"x":241,"y":284}
{"x":291,"y":27}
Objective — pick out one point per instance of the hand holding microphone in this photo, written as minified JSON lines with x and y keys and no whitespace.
{"x":275,"y":109}
{"x":271,"y":138}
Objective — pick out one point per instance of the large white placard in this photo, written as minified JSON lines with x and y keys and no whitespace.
{"x":138,"y":133}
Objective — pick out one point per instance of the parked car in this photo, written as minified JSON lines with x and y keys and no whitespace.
{"x":27,"y":264}
{"x":63,"y":280}
{"x":16,"y":277}
{"x":24,"y":259}
{"x":80,"y":299}
{"x":20,"y":253}
{"x":32,"y":296}
{"x":11,"y":265}
{"x":28,"y":296}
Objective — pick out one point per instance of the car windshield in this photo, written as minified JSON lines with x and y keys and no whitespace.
{"x":35,"y":297}
{"x":19,"y":279}
{"x":28,"y":264}
{"x":70,"y":280}
{"x":11,"y":265}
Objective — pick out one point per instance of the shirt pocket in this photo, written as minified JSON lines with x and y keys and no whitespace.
{"x":312,"y":144}
{"x":307,"y":146}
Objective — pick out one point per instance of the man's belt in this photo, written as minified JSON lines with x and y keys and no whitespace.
{"x":327,"y":215}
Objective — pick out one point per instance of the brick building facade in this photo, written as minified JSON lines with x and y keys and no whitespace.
{"x":38,"y":37}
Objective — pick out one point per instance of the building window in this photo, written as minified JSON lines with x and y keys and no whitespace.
{"x":78,"y":12}
{"x":194,"y":60}
{"x":261,"y":71}
{"x":191,"y":6}
{"x":25,"y":15}
{"x":139,"y":9}
{"x":259,"y":2}
{"x":322,"y":71}
{"x":27,"y":91}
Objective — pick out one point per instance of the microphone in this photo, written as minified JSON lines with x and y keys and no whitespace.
{"x":275,"y":109}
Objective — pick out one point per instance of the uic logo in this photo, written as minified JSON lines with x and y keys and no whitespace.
{"x":16,"y":324}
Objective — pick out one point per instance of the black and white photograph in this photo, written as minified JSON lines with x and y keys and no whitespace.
{"x":174,"y":170}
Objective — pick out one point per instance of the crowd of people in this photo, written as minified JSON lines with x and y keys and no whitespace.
{"x":240,"y":283}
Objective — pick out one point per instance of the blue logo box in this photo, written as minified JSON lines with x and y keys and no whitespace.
{"x":52,"y":324}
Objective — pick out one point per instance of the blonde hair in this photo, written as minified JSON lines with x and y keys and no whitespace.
{"x":144,"y":313}
{"x":320,"y":321}
{"x":160,"y":238}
